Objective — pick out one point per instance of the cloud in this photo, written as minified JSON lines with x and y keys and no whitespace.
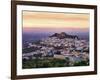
{"x":55,"y":20}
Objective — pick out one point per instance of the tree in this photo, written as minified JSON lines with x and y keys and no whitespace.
{"x":81,"y":63}
{"x":67,"y":61}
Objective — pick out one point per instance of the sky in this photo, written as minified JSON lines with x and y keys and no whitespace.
{"x":47,"y":21}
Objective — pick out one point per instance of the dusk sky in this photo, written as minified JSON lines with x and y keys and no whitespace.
{"x":47,"y":21}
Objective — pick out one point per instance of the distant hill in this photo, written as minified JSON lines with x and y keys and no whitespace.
{"x":63,"y":35}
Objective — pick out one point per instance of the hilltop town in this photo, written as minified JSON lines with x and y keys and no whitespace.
{"x":61,"y":46}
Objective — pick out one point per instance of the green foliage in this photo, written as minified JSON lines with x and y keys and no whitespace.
{"x":51,"y":62}
{"x":44,"y":63}
{"x":81,"y":63}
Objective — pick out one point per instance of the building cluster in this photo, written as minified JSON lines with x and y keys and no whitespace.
{"x":74,"y":50}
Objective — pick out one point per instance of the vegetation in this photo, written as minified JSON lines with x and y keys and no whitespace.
{"x":44,"y":63}
{"x":51,"y":62}
{"x":81,"y":63}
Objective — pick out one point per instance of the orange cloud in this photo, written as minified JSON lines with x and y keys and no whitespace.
{"x":55,"y":20}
